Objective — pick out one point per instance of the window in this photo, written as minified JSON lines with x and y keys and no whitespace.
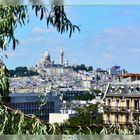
{"x":131,"y":89}
{"x":112,"y":89}
{"x":127,"y":118}
{"x":127,"y":104}
{"x":109,"y":102}
{"x":117,"y":103}
{"x":138,"y":89}
{"x":15,"y":105}
{"x":47,"y":104}
{"x":18,"y":105}
{"x":51,"y":110}
{"x":121,"y":89}
{"x":22,"y":105}
{"x":12,"y":105}
{"x":136,"y":118}
{"x":136,"y":104}
{"x":108,"y":118}
{"x":51,"y":104}
{"x":117,"y":118}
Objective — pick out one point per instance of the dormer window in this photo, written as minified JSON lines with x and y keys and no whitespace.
{"x":112,"y":88}
{"x":137,"y":89}
{"x":121,"y":88}
{"x":131,"y":88}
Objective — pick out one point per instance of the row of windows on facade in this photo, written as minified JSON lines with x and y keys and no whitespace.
{"x":31,"y":104}
{"x":37,"y":111}
{"x":25,"y":98}
{"x":127,"y":118}
{"x":136,"y":103}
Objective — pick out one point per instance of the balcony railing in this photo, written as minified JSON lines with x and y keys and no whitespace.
{"x":107,"y":122}
{"x":121,"y":109}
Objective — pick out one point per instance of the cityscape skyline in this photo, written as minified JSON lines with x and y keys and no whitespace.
{"x":109,"y":36}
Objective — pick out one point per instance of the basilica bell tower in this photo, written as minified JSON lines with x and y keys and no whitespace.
{"x":61,"y":57}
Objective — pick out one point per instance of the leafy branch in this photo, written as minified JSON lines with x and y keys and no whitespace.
{"x":13,"y":15}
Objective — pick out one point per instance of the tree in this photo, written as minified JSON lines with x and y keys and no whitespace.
{"x":11,"y":16}
{"x":21,"y":72}
{"x":86,"y":118}
{"x":82,"y":67}
{"x":21,"y":69}
{"x":90,"y":68}
{"x":87,"y":97}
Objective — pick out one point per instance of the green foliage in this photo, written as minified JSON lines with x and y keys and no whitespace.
{"x":10,"y":17}
{"x":87,"y":120}
{"x":13,"y":15}
{"x":15,"y":122}
{"x":87,"y":97}
{"x":82,"y":67}
{"x":83,"y":95}
{"x":116,"y":129}
{"x":90,"y":68}
{"x":4,"y":81}
{"x":95,"y":91}
{"x":21,"y":72}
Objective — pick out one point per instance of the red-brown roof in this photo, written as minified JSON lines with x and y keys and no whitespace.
{"x":130,"y":75}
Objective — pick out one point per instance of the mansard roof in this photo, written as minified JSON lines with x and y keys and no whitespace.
{"x":128,"y":90}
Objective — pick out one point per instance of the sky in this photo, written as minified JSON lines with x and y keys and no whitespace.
{"x":75,"y":2}
{"x":101,"y":2}
{"x":110,"y":35}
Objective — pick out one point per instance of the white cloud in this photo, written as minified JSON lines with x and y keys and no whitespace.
{"x":106,"y":56}
{"x":118,"y":37}
{"x":134,"y":51}
{"x":35,"y":40}
{"x":42,"y":30}
{"x":126,"y":13}
{"x":122,"y":31}
{"x":119,"y":45}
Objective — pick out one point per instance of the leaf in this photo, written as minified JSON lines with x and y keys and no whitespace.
{"x":42,"y":14}
{"x":70,"y":32}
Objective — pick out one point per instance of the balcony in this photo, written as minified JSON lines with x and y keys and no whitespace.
{"x":121,"y":109}
{"x":108,"y":123}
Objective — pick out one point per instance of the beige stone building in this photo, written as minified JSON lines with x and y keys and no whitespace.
{"x":122,"y":104}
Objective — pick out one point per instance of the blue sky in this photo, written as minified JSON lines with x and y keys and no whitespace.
{"x":102,"y":2}
{"x":87,"y":2}
{"x":109,"y":35}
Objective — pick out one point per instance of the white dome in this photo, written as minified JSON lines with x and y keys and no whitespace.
{"x":41,"y":61}
{"x":47,"y":54}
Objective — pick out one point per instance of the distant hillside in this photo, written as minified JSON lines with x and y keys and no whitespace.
{"x":21,"y":72}
{"x":82,"y":67}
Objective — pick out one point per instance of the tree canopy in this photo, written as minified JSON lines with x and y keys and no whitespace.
{"x":82,"y":67}
{"x":21,"y":72}
{"x":86,"y":118}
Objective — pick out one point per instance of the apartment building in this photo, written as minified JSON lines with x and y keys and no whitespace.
{"x":122,"y":104}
